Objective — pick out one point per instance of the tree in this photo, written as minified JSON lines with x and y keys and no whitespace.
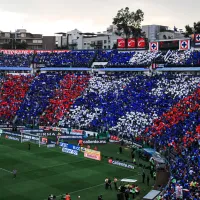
{"x":197,"y":27}
{"x":21,"y":45}
{"x":190,"y":30}
{"x":129,"y":23}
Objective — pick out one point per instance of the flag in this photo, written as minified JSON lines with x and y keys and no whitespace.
{"x":153,"y":46}
{"x":121,"y":43}
{"x":141,"y":43}
{"x":197,"y":38}
{"x":175,"y":29}
{"x":131,"y":43}
{"x":184,"y":44}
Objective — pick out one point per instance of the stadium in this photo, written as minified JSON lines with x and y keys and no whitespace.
{"x":106,"y":124}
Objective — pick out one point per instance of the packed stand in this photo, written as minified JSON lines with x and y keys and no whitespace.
{"x":37,"y":99}
{"x":187,"y":58}
{"x":167,"y":91}
{"x":71,"y":87}
{"x":94,"y":109}
{"x":13,"y":91}
{"x":178,"y":130}
{"x":65,"y":59}
{"x":104,"y":55}
{"x":143,"y":59}
{"x":194,"y":59}
{"x":15,"y":60}
{"x":120,"y":59}
{"x":136,"y":100}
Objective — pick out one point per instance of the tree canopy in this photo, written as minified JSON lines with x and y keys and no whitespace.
{"x":129,"y":23}
{"x":190,"y":30}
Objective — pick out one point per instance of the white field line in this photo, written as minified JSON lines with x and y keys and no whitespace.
{"x":83,"y":159}
{"x":79,"y":158}
{"x":56,"y":165}
{"x":86,"y":188}
{"x":45,"y":167}
{"x":6,"y":170}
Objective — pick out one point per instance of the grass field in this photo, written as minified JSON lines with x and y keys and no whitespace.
{"x":43,"y":171}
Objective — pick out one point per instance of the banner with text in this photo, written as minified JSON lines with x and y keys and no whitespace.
{"x":70,"y":151}
{"x":92,"y":154}
{"x":121,"y":164}
{"x":7,"y":51}
{"x":94,"y":141}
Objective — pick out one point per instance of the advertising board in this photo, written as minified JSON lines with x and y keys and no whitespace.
{"x":9,"y":133}
{"x":30,"y":137}
{"x":114,"y":141}
{"x":70,"y":137}
{"x":133,"y":144}
{"x":94,"y":141}
{"x":121,"y":164}
{"x":92,"y":154}
{"x":49,"y":133}
{"x":91,"y":133}
{"x":70,"y":146}
{"x":73,"y":147}
{"x":70,"y":151}
{"x":76,"y":132}
{"x":12,"y":138}
{"x":31,"y":131}
{"x":51,"y":145}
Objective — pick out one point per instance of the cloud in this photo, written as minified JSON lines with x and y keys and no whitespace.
{"x":50,"y":16}
{"x":11,"y":20}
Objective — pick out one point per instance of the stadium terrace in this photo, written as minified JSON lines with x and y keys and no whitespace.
{"x":149,"y":98}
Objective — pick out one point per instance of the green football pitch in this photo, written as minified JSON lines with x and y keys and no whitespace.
{"x":43,"y":171}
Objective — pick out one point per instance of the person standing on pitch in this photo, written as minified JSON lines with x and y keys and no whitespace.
{"x":68,"y":197}
{"x":143,"y":177}
{"x":148,"y":180}
{"x":106,"y":183}
{"x":120,"y":150}
{"x":100,"y":197}
{"x":115,"y":183}
{"x":14,"y":174}
{"x":110,"y":183}
{"x":29,"y":146}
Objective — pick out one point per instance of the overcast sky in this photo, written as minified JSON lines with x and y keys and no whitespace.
{"x":50,"y":16}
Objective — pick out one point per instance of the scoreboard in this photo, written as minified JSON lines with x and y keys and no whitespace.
{"x":167,"y":45}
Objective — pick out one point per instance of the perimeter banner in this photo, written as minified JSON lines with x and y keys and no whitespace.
{"x":92,"y":154}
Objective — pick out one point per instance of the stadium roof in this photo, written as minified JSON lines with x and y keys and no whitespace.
{"x":61,"y":33}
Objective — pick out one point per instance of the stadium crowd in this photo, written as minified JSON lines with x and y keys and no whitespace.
{"x":12,"y":94}
{"x":163,"y":110}
{"x":114,"y":58}
{"x":65,"y":59}
{"x":71,"y":87}
{"x":37,"y":98}
{"x":137,"y":100}
{"x":15,"y":60}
